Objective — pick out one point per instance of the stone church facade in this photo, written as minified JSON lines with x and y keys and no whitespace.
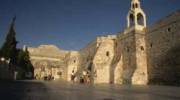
{"x":138,"y":55}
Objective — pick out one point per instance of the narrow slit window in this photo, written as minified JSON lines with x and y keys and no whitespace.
{"x":107,"y":53}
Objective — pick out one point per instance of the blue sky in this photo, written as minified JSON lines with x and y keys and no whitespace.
{"x":71,"y":24}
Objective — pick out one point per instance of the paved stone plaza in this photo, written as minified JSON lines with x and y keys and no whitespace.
{"x":57,"y":90}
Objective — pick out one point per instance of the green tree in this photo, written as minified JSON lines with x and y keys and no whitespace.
{"x":24,"y":63}
{"x":17,"y":57}
{"x":8,"y":49}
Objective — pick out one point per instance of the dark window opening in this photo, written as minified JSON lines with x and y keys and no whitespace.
{"x":136,"y":5}
{"x":142,"y":48}
{"x":140,"y":19}
{"x":74,"y":61}
{"x":169,"y":29}
{"x":107,"y":53}
{"x":116,"y":44}
{"x":127,"y":49}
{"x":151,"y":45}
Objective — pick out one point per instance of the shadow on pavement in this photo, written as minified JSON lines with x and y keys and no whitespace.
{"x":20,"y":90}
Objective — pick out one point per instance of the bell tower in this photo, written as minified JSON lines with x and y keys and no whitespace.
{"x":134,"y":50}
{"x":136,"y":16}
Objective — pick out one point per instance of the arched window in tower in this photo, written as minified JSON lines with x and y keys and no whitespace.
{"x":140,"y":19}
{"x":133,"y":6}
{"x":136,"y":5}
{"x":131,"y":21}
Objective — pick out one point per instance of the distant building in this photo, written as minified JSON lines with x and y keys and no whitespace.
{"x":48,"y":60}
{"x":138,"y":55}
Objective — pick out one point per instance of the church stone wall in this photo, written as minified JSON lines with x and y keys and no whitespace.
{"x":163,"y":43}
{"x":140,"y":75}
{"x":87,"y":55}
{"x":128,"y":57}
{"x":117,"y":63}
{"x":103,"y":59}
{"x":72,"y":63}
{"x":96,"y":58}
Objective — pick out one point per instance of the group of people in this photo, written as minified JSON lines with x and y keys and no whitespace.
{"x":84,"y":78}
{"x":44,"y":77}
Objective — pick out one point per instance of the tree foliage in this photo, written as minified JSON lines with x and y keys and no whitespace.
{"x":18,"y":57}
{"x":8,"y":49}
{"x":23,"y":61}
